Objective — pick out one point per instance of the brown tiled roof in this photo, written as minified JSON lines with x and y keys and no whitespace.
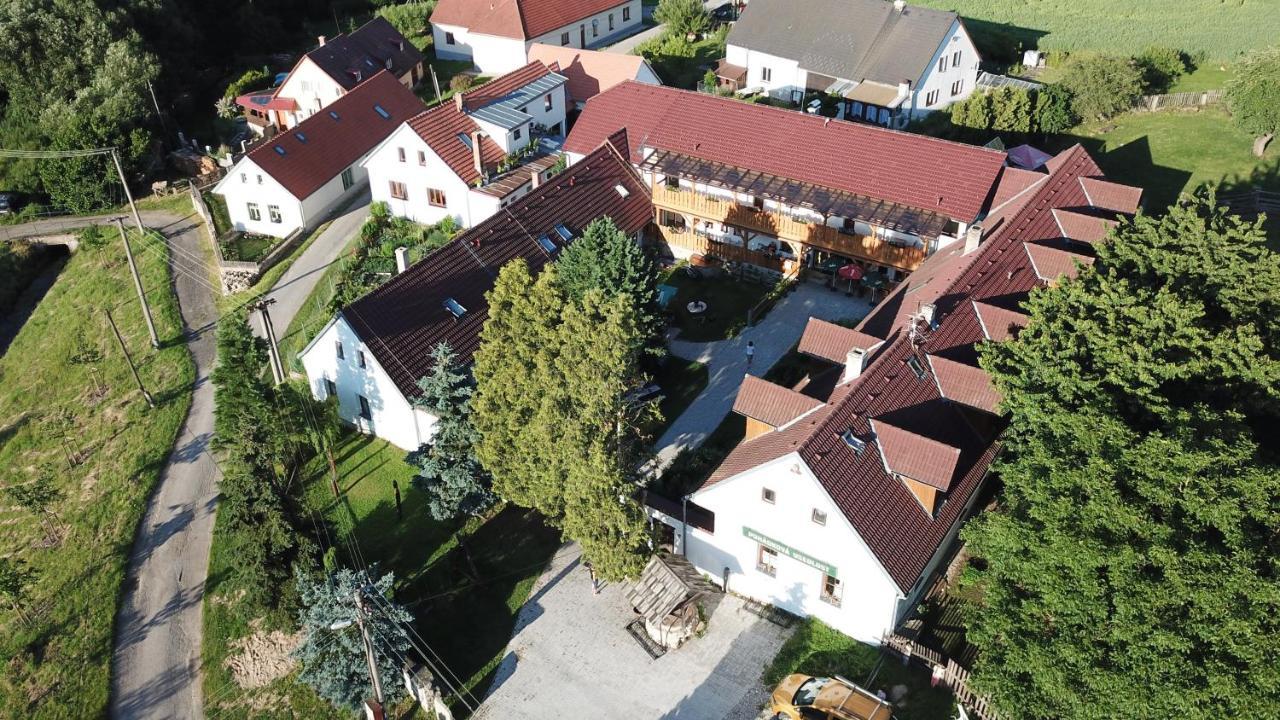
{"x":883,"y":511}
{"x":521,"y":19}
{"x":771,"y":404}
{"x":998,"y":323}
{"x":1013,"y":181}
{"x":833,"y":342}
{"x":441,"y":126}
{"x":373,"y":47}
{"x":942,"y":177}
{"x":590,"y":72}
{"x":964,"y":383}
{"x":337,"y":136}
{"x":1106,"y":195}
{"x":920,"y":458}
{"x":1083,"y":227}
{"x":1049,"y":263}
{"x":402,"y":320}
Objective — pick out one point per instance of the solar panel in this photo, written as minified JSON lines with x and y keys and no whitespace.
{"x":454,"y":307}
{"x":854,"y":442}
{"x":545,"y":243}
{"x":563,"y":232}
{"x":382,"y":112}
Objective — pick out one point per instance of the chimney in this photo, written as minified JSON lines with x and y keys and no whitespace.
{"x":475,"y":152}
{"x":402,"y":259}
{"x":972,"y":238}
{"x":927,"y":311}
{"x":457,"y":101}
{"x":854,"y":363}
{"x":899,"y":5}
{"x":535,"y":179}
{"x":322,"y":40}
{"x":904,"y":88}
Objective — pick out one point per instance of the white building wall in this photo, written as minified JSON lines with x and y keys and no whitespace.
{"x":247,"y":184}
{"x":785,"y":76}
{"x":384,"y":166}
{"x":594,"y":30}
{"x":311,"y":88}
{"x":870,"y":599}
{"x":966,"y":71}
{"x":392,"y":417}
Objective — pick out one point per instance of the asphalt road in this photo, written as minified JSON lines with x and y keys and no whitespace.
{"x":295,"y":286}
{"x":156,"y":660}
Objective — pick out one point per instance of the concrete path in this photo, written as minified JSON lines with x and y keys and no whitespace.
{"x":156,"y":661}
{"x":570,"y":656}
{"x":726,"y":361}
{"x":295,"y":285}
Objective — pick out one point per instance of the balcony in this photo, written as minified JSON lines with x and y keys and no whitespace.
{"x":707,"y":207}
{"x":701,"y":244}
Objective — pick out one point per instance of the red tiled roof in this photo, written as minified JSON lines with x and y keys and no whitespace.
{"x":440,"y":126}
{"x":1082,"y":227}
{"x":998,"y":323}
{"x":1107,"y":195}
{"x":883,"y":511}
{"x":266,"y":100}
{"x":521,"y":19}
{"x":833,"y":342}
{"x":1013,"y":181}
{"x":1050,"y":263}
{"x":947,"y":178}
{"x":964,"y":383}
{"x":373,"y":47}
{"x":402,"y":320}
{"x":590,"y":72}
{"x":332,"y":145}
{"x":771,"y":404}
{"x":916,"y":456}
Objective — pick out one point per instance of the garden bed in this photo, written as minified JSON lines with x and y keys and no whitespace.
{"x":245,"y":247}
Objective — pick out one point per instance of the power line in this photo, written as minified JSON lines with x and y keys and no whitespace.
{"x":457,"y":687}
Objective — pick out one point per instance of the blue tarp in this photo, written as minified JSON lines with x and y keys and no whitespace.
{"x":665,"y":294}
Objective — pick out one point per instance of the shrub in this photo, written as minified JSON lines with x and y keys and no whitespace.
{"x":256,"y":79}
{"x":1160,"y":66}
{"x":1102,"y":85}
{"x":683,"y":16}
{"x":1053,"y":112}
{"x":461,"y":82}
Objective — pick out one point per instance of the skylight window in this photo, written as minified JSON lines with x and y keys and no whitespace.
{"x":563,"y":232}
{"x":279,"y":150}
{"x":855,"y":443}
{"x":382,"y":112}
{"x":466,"y":139}
{"x":916,"y":367}
{"x":545,"y":243}
{"x":621,"y":190}
{"x":334,"y":115}
{"x":301,"y":138}
{"x":455,"y":308}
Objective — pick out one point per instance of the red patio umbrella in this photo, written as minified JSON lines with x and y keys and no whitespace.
{"x":851,"y":271}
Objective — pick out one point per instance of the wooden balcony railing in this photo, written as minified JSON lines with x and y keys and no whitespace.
{"x":702,"y":245}
{"x":865,"y":247}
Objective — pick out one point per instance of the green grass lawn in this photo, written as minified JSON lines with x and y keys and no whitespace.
{"x":244,"y":247}
{"x":59,"y":666}
{"x":1220,"y":29}
{"x":1210,"y":75}
{"x":817,"y":649}
{"x":465,"y":609}
{"x":1172,"y":151}
{"x":681,"y":381}
{"x":727,"y":299}
{"x":680,"y":63}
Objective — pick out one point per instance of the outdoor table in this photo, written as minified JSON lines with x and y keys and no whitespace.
{"x":697,"y":307}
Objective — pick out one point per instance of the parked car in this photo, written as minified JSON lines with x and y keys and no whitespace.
{"x":725,"y":13}
{"x":8,"y":203}
{"x":804,"y":697}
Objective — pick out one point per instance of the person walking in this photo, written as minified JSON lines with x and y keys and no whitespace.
{"x":751,"y":352}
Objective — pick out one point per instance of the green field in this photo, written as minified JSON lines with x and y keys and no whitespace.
{"x":58,"y":666}
{"x":1218,"y":28}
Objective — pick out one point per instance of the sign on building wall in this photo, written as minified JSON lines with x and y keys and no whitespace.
{"x":789,"y":551}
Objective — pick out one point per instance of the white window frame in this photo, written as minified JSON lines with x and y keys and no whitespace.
{"x":255,"y":212}
{"x":836,"y":596}
{"x":768,"y":495}
{"x":273,"y":213}
{"x":766,"y":560}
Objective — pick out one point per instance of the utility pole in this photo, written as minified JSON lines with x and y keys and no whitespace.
{"x":273,"y":349}
{"x":159,"y":115}
{"x":368,"y":648}
{"x":137,"y":283}
{"x":115,"y":157}
{"x":132,"y":368}
{"x":436,"y":82}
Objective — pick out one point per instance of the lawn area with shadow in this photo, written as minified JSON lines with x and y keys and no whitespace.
{"x":728,"y":301}
{"x":680,"y":381}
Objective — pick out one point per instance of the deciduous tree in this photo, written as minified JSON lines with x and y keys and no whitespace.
{"x":15,"y":578}
{"x":448,"y":470}
{"x":1253,"y":96}
{"x":1130,"y":569}
{"x":1053,"y":112}
{"x":1102,"y":85}
{"x":683,"y":16}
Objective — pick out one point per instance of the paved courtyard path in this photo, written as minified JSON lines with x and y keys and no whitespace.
{"x":570,"y":656}
{"x":726,"y":361}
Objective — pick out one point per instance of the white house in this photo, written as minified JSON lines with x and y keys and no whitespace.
{"x":464,"y":159}
{"x":846,"y":497}
{"x":292,"y":181}
{"x":372,"y":354}
{"x":330,"y":71}
{"x":495,"y":36}
{"x":887,"y":61}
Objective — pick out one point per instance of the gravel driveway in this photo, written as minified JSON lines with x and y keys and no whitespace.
{"x":570,"y":656}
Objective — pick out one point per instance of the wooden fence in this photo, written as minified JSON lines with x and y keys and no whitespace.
{"x":953,"y":675}
{"x":1151,"y":103}
{"x":1251,"y":203}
